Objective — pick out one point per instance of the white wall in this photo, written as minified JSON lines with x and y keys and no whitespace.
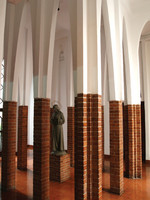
{"x":145,"y":49}
{"x":62,"y":79}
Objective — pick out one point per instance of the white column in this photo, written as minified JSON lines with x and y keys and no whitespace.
{"x":112,"y":26}
{"x":93,"y":46}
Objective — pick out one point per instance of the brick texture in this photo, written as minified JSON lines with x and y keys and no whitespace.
{"x":143,"y":131}
{"x":59,"y":168}
{"x":116,"y":147}
{"x":96,"y":147}
{"x":81,"y":148}
{"x":139,"y":142}
{"x":133,"y":148}
{"x":41,"y":149}
{"x":88,"y":147}
{"x":71,"y":130}
{"x":9,"y":145}
{"x":22,"y":137}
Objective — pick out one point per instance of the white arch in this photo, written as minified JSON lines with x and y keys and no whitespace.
{"x":23,"y":73}
{"x":140,"y":31}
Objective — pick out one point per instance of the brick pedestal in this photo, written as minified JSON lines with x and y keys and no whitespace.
{"x":71,"y":129}
{"x":133,"y":154}
{"x":59,"y":168}
{"x":116,"y":147}
{"x":22,"y":137}
{"x":9,"y":145}
{"x":41,"y":149}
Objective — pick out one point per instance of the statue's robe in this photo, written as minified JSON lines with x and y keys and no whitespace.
{"x":57,"y":131}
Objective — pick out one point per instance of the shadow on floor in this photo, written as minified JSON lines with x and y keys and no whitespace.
{"x":13,"y":195}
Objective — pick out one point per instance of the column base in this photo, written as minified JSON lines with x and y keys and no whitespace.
{"x":59,"y":167}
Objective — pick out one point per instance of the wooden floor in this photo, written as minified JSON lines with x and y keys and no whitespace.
{"x":134,"y":189}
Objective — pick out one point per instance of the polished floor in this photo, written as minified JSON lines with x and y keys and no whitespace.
{"x":134,"y":189}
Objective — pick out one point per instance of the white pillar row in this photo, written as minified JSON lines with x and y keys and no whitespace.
{"x":146,"y":81}
{"x":113,"y":31}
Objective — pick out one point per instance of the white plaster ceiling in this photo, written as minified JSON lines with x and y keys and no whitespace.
{"x":135,"y":5}
{"x":138,"y":5}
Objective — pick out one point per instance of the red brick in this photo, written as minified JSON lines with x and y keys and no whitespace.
{"x":41,"y":149}
{"x":59,"y":168}
{"x":9,"y":145}
{"x":116,"y":147}
{"x":22,"y":137}
{"x":88,"y":147}
{"x":71,"y":131}
{"x":133,"y":150}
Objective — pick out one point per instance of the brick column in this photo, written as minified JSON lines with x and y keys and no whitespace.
{"x":9,"y":145}
{"x":71,"y":129}
{"x":139,"y":142}
{"x":41,"y":149}
{"x":51,"y":134}
{"x":96,"y":147}
{"x":133,"y":154}
{"x":89,"y":146}
{"x":116,"y":148}
{"x":81,"y":148}
{"x":22,"y":137}
{"x":143,"y":131}
{"x":103,"y":138}
{"x":126,"y":138}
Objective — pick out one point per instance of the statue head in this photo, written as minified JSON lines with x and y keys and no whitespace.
{"x":56,"y":108}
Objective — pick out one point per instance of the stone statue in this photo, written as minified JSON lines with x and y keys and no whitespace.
{"x":57,"y":131}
